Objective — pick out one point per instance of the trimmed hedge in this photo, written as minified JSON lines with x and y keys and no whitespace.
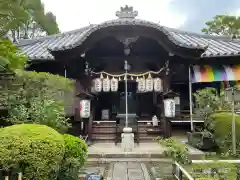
{"x":37,"y":150}
{"x":222,"y":130}
{"x":74,"y":157}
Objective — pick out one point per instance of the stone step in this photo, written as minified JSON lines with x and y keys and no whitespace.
{"x":121,"y":155}
{"x":113,"y":131}
{"x":103,"y":136}
{"x":109,"y":160}
{"x":135,"y":157}
{"x":104,"y":126}
{"x":107,"y":136}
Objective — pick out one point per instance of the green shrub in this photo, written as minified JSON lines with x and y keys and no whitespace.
{"x":32,"y":97}
{"x":74,"y":157}
{"x":175,"y":150}
{"x":209,"y":101}
{"x":222,"y":130}
{"x":11,"y":58}
{"x":37,"y":150}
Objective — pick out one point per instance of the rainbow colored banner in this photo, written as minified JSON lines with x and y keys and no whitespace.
{"x":208,"y":73}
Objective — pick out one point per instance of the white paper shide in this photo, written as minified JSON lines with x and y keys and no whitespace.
{"x":85,"y":108}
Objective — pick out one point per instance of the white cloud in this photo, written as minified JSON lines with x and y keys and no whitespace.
{"x":235,"y":12}
{"x":73,"y":14}
{"x":238,"y":12}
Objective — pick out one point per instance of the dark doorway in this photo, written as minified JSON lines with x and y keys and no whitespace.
{"x":131,"y":97}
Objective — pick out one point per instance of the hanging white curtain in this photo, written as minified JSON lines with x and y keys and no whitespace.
{"x":98,"y":85}
{"x":114,"y":84}
{"x":157,"y":85}
{"x":141,"y":85}
{"x":149,"y":84}
{"x":106,"y":85}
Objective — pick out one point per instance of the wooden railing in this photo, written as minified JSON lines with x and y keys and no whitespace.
{"x":180,"y":173}
{"x":17,"y":176}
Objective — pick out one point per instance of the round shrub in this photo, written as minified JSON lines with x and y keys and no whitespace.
{"x":222,"y":130}
{"x":37,"y":150}
{"x":74,"y":157}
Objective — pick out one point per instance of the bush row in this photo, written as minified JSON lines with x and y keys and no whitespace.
{"x":41,"y":153}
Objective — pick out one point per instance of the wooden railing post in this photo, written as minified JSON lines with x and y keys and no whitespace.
{"x":178,"y":172}
{"x":19,"y":176}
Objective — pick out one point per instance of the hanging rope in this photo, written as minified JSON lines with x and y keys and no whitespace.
{"x":129,"y":74}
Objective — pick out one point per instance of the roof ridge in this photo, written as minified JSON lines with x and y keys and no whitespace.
{"x":206,"y":36}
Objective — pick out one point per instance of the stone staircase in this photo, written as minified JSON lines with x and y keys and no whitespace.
{"x":104,"y":131}
{"x":103,"y":153}
{"x":107,"y":131}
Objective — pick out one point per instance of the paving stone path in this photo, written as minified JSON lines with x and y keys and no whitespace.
{"x":127,"y":171}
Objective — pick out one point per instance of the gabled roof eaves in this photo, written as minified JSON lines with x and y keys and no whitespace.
{"x":39,"y":48}
{"x":214,"y":46}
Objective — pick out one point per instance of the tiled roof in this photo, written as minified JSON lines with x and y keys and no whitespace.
{"x":213,"y":46}
{"x":39,"y":48}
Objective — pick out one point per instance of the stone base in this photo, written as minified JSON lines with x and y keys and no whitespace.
{"x":127,"y":144}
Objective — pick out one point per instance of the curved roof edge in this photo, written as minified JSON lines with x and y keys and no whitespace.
{"x":214,"y":46}
{"x":126,"y":22}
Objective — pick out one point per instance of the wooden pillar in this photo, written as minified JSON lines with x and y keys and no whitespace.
{"x":90,"y":120}
{"x":87,"y":83}
{"x":166,"y":123}
{"x":78,"y":90}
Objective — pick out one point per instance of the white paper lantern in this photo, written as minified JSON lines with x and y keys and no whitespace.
{"x":98,"y":85}
{"x":106,"y":85}
{"x":114,"y":84}
{"x":85,"y":108}
{"x":141,"y":85}
{"x":149,"y":84}
{"x":157,"y":85}
{"x":169,"y":108}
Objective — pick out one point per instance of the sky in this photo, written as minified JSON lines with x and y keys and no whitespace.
{"x":189,"y":15}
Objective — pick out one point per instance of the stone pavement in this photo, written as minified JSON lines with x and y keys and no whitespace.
{"x":151,"y":150}
{"x":127,"y":171}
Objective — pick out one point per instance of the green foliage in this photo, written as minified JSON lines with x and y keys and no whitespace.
{"x":214,"y":170}
{"x":74,"y":157}
{"x":13,"y":13}
{"x":175,"y":150}
{"x":39,"y":23}
{"x":209,"y":101}
{"x":11,"y":57}
{"x":32,"y":97}
{"x":223,"y":25}
{"x":36,"y":150}
{"x":26,"y":18}
{"x":222,"y":131}
{"x":50,"y":25}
